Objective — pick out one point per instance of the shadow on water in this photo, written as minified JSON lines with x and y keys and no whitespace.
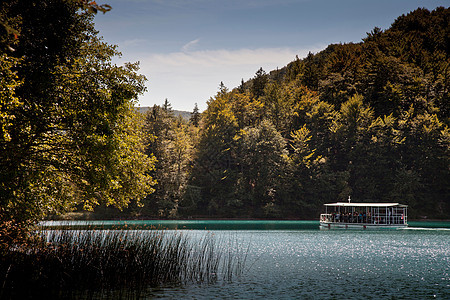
{"x":218,"y":225}
{"x":428,"y":225}
{"x":188,"y":224}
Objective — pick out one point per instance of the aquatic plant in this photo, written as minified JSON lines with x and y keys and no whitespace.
{"x":110,"y":263}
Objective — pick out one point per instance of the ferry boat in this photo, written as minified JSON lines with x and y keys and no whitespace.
{"x":364,"y":215}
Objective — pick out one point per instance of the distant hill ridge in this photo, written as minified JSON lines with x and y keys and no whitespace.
{"x":186,"y":115}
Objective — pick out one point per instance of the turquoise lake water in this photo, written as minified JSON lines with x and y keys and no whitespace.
{"x":296,"y":260}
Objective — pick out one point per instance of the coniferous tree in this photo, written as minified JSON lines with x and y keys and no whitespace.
{"x":259,"y":83}
{"x":195,"y":117}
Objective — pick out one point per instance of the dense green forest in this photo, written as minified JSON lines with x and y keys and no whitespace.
{"x":367,"y":119}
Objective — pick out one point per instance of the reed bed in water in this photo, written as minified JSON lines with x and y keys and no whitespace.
{"x":109,"y":263}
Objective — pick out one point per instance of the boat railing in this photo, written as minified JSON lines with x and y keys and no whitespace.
{"x":328,"y":218}
{"x":363,"y":219}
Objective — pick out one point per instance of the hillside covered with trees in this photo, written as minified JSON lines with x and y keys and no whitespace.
{"x":367,"y":119}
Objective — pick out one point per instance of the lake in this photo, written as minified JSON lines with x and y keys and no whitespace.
{"x":294,"y":259}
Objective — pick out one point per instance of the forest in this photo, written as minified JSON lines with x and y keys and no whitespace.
{"x":367,"y":120}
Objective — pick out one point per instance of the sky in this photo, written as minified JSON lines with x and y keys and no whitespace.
{"x":186,"y":48}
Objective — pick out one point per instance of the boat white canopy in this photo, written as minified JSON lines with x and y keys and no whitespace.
{"x":346,"y":204}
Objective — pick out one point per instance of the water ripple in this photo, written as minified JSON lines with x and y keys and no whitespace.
{"x":412,"y":264}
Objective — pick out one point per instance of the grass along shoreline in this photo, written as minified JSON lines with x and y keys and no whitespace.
{"x":114,"y":263}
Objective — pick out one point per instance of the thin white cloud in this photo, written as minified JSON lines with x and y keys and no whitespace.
{"x":190,"y":46}
{"x":133,"y":42}
{"x":185,"y":78}
{"x":216,"y":58}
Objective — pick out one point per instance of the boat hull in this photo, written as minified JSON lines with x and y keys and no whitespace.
{"x":360,"y":226}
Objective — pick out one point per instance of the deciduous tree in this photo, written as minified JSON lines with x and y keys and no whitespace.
{"x":68,"y":132}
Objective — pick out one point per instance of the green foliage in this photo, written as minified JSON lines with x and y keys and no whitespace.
{"x":170,"y":141}
{"x":8,"y":100}
{"x":262,"y":159}
{"x":368,"y":120}
{"x":215,"y":159}
{"x":69,"y":135}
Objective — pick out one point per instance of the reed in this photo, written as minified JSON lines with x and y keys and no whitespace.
{"x":110,"y":263}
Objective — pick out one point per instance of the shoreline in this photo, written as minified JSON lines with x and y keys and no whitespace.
{"x":78,"y":217}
